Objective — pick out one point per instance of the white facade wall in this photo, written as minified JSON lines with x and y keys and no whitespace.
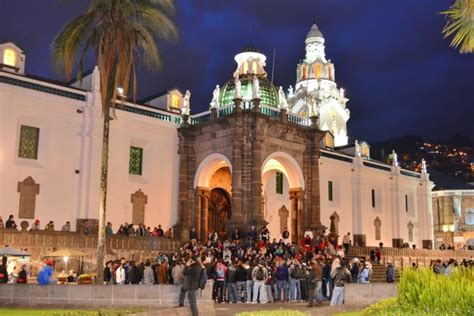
{"x":352,"y":200}
{"x":69,"y":156}
{"x":273,"y":203}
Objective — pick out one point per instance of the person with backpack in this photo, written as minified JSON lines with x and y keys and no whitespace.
{"x":232,"y":283}
{"x":193,"y":273}
{"x":259,"y":277}
{"x":220,"y":271}
{"x":341,"y":275}
{"x":296,"y":272}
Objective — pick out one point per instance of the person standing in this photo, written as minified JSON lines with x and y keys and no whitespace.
{"x":108,"y":272}
{"x":390,"y":272}
{"x":10,"y":223}
{"x":259,"y":277}
{"x":346,"y":242}
{"x":120,"y":274}
{"x":315,"y":277}
{"x":282,"y":282}
{"x":340,"y":275}
{"x":220,"y":271}
{"x":232,"y":283}
{"x":241,"y":281}
{"x":192,"y":274}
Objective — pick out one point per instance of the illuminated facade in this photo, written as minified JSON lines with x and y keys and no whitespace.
{"x":258,"y":156}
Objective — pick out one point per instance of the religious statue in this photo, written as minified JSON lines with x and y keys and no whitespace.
{"x":290,"y":91}
{"x":357,"y":149}
{"x":256,"y":88}
{"x":215,"y":97}
{"x":238,"y":86}
{"x":186,"y":105}
{"x":394,"y":158}
{"x":423,"y":166}
{"x":283,"y":103}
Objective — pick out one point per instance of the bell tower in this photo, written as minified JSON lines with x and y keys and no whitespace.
{"x":316,"y":91}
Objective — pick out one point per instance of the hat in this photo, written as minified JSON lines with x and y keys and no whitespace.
{"x":49,"y":262}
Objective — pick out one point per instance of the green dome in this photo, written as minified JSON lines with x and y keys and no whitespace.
{"x":268,"y":92}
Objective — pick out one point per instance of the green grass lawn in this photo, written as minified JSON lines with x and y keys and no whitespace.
{"x":278,"y":312}
{"x":68,"y":312}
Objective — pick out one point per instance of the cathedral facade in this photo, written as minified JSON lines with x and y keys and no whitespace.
{"x":261,"y":155}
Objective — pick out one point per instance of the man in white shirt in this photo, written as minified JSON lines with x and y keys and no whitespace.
{"x":120,"y":275}
{"x":346,"y":242}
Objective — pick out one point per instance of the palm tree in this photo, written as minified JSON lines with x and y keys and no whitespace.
{"x":120,"y":33}
{"x":460,"y":22}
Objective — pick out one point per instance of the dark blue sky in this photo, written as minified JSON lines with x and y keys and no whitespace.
{"x":400,"y":75}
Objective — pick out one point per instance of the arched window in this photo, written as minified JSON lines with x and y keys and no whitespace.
{"x":303,"y":72}
{"x":317,"y":71}
{"x":9,"y":57}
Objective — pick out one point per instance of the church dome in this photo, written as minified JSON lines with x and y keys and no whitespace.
{"x":268,"y":92}
{"x":313,"y":34}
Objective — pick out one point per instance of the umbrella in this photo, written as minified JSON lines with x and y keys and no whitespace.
{"x":12,"y":252}
{"x":66,"y":253}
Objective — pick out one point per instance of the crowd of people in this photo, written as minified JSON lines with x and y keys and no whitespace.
{"x":125,"y":229}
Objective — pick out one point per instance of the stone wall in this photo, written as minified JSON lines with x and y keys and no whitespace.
{"x":366,"y":294}
{"x":96,"y":295}
{"x":405,"y":257}
{"x":38,"y":243}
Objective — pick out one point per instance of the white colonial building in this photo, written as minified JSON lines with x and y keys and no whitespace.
{"x":50,"y":155}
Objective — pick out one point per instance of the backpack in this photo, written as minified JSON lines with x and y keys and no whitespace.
{"x":259,"y":275}
{"x":202,"y":279}
{"x":220,"y":272}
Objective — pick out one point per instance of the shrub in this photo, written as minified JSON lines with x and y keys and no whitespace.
{"x":424,"y":292}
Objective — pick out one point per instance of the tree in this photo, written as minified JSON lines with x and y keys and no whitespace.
{"x":120,"y":33}
{"x":460,"y":24}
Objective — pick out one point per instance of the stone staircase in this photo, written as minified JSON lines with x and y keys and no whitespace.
{"x":379,"y":273}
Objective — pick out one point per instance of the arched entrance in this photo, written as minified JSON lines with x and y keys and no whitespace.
{"x":220,"y":211}
{"x":213,"y":182}
{"x":283,"y":185}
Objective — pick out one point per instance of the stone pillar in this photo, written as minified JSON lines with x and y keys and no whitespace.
{"x":283,"y":116}
{"x":238,"y":104}
{"x":256,"y":104}
{"x":213,"y":114}
{"x":205,"y":214}
{"x":293,"y":214}
{"x":299,"y":215}
{"x":197,"y":213}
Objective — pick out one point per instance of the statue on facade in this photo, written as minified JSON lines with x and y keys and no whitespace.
{"x":394,"y":158}
{"x":357,"y":149}
{"x":238,"y":86}
{"x":215,"y":97}
{"x":283,"y":103}
{"x":423,"y":166}
{"x":290,"y":91}
{"x":186,"y":105}
{"x":256,"y":88}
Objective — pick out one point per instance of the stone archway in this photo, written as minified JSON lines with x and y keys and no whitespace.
{"x":288,"y":167}
{"x":212,"y":202}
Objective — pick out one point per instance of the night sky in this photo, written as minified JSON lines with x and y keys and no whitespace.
{"x":400,"y":75}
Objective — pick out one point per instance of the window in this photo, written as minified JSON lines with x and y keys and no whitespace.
{"x":9,"y":57}
{"x":470,"y":216}
{"x":175,"y":101}
{"x":135,"y":162}
{"x":406,"y":203}
{"x":29,"y":138}
{"x":373,"y":198}
{"x":279,"y":182}
{"x":330,"y":190}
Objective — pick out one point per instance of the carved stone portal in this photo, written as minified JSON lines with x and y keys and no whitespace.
{"x":284,"y":213}
{"x":139,"y":200}
{"x":377,"y":224}
{"x":28,"y":190}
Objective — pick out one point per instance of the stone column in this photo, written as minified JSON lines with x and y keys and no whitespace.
{"x":198,"y":210}
{"x":237,"y":218}
{"x":299,"y":215}
{"x":293,"y":216}
{"x":205,"y":214}
{"x":256,"y":104}
{"x":283,"y":116}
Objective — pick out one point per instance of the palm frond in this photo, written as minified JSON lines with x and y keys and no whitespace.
{"x":460,"y":25}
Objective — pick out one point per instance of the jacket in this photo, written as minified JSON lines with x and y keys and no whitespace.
{"x":120,"y":275}
{"x":178,"y":274}
{"x":282,"y":273}
{"x":192,"y":275}
{"x":148,"y":276}
{"x":134,"y":275}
